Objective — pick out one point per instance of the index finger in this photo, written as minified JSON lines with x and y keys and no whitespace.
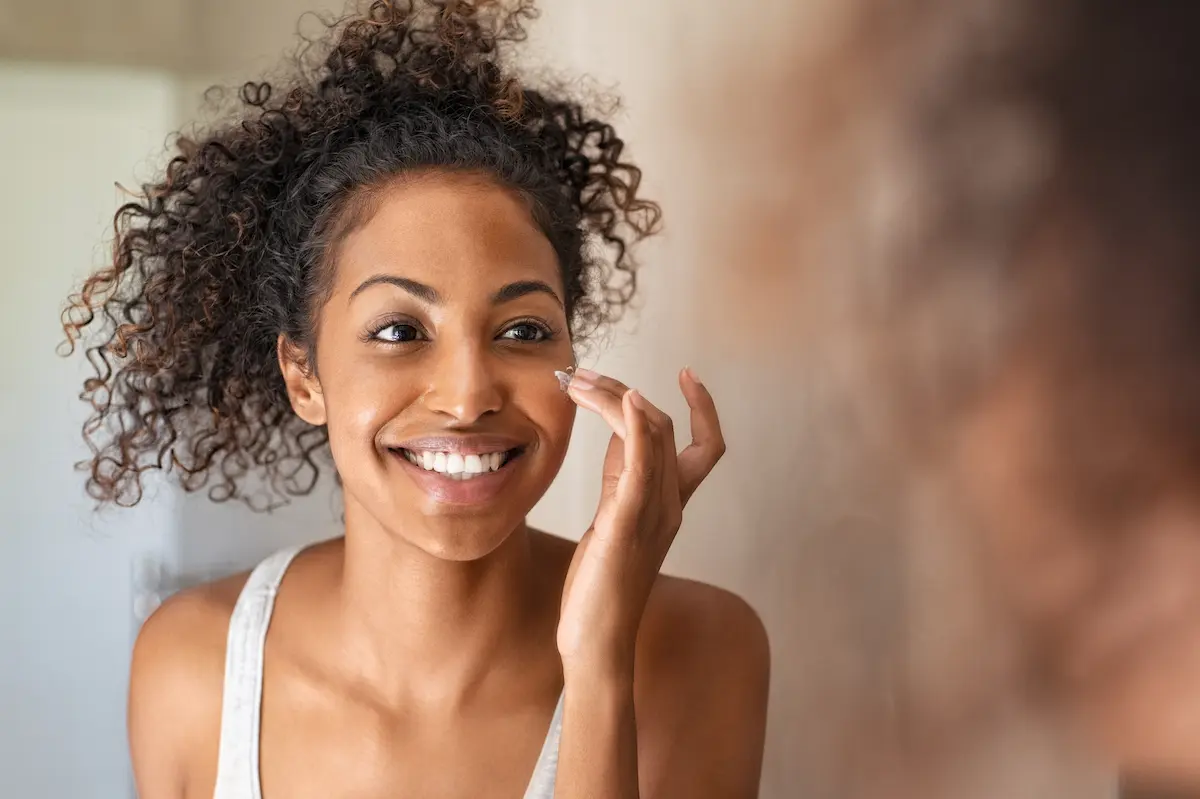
{"x":708,"y":443}
{"x":601,"y":395}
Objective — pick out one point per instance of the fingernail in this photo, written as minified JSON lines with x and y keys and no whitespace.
{"x":692,"y":374}
{"x":581,"y":381}
{"x":586,"y":374}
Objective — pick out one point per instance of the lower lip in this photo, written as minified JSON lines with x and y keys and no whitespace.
{"x":448,"y":491}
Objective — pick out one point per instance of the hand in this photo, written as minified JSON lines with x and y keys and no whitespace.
{"x":645,"y":487}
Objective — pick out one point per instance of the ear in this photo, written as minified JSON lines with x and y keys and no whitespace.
{"x":303,"y":387}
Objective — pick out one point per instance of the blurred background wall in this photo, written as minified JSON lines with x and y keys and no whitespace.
{"x":67,"y":583}
{"x":874,"y":623}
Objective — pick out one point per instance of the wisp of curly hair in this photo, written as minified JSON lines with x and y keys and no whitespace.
{"x":232,"y":246}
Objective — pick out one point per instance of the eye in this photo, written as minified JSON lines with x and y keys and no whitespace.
{"x":398,"y":333}
{"x":526,"y":331}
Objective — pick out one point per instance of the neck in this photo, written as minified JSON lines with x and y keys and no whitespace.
{"x":418,"y":628}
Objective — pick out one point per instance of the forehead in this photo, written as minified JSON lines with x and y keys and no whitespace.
{"x":462,"y":234}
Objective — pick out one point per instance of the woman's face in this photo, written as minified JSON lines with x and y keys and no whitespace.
{"x":435,"y":364}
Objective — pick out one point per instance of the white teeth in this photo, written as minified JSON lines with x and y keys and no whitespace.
{"x":455,"y":465}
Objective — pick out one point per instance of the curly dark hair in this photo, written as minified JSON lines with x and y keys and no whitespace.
{"x":229,"y":248}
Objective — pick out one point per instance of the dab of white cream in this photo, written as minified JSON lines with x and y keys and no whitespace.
{"x":564,"y":377}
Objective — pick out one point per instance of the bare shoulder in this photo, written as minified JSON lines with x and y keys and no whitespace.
{"x":176,"y":682}
{"x":702,"y":628}
{"x":702,"y":685}
{"x":687,"y":625}
{"x":187,"y":632}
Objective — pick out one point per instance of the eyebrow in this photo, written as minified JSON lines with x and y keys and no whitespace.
{"x":419,"y":290}
{"x":522,"y":288}
{"x":428,"y":294}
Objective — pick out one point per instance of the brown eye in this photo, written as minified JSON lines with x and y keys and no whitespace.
{"x":525,"y":331}
{"x":397,"y":334}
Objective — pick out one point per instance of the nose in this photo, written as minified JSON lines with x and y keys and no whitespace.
{"x":462,"y":384}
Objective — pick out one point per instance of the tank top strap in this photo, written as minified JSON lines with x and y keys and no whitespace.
{"x":241,"y":703}
{"x":541,"y":784}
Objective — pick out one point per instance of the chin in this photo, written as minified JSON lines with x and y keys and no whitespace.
{"x":456,"y":538}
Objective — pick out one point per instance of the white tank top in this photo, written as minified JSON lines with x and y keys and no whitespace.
{"x":241,"y":705}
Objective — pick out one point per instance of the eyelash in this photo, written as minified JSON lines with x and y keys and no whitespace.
{"x":548,"y":332}
{"x":371,"y":336}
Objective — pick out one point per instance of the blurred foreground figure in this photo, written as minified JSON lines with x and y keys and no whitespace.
{"x":1049,"y":318}
{"x":1014,"y":190}
{"x":1076,"y":449}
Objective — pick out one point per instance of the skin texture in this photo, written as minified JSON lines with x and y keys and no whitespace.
{"x":424,"y":651}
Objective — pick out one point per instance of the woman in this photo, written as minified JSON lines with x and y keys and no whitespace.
{"x":390,"y":257}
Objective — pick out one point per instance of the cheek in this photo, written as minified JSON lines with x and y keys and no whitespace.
{"x":361,"y":396}
{"x":552,"y":411}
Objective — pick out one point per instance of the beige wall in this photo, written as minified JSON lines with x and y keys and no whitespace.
{"x":182,"y":36}
{"x":137,"y":33}
{"x":873,"y":622}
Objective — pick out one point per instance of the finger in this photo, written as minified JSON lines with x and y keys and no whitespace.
{"x":637,"y":484}
{"x":659,"y":421}
{"x":662,"y":431}
{"x":587,"y":379}
{"x":601,"y":394}
{"x":599,"y":401}
{"x":602,"y":382}
{"x":708,"y":443}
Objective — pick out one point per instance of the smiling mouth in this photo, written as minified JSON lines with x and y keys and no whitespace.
{"x":457,"y":466}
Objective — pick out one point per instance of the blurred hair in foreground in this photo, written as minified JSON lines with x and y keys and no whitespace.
{"x":990,"y":229}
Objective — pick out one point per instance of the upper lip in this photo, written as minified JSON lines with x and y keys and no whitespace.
{"x":475,"y":444}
